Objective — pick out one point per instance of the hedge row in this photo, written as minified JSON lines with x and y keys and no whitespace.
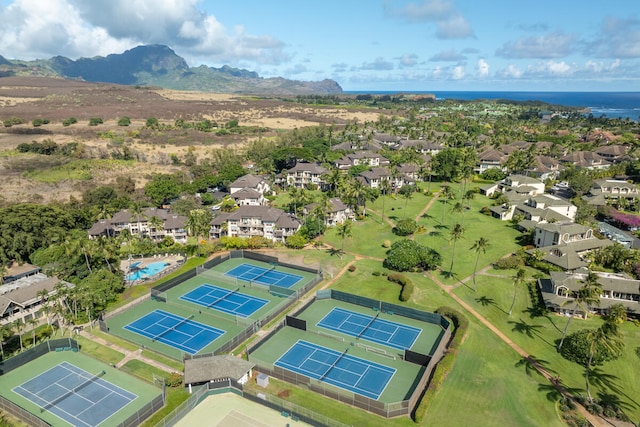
{"x":407,"y":285}
{"x":445,"y":365}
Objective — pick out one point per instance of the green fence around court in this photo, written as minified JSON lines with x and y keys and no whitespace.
{"x":263,"y":398}
{"x":394,"y":409}
{"x":63,"y":344}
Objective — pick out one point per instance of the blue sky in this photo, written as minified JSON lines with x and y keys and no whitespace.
{"x":420,"y":45}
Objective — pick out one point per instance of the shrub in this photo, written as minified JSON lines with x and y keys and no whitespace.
{"x":376,"y":273}
{"x":124,"y":121}
{"x":296,"y":241}
{"x":70,"y":121}
{"x":174,"y":379}
{"x":407,"y":255}
{"x":352,"y":268}
{"x":12,"y":121}
{"x":576,"y":348}
{"x":39,"y":122}
{"x":407,"y":285}
{"x":386,"y":244}
{"x":512,"y":262}
{"x":405,"y":227}
{"x":95,"y":121}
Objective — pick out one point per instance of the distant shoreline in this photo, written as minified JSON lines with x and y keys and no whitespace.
{"x":610,"y":104}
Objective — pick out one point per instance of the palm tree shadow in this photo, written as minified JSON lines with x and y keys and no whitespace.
{"x":486,"y":301}
{"x":435,"y":233}
{"x":531,"y":363}
{"x":604,"y":380}
{"x":440,"y":226}
{"x":529,"y":330}
{"x":553,"y":394}
{"x":427,"y":216}
{"x":335,"y":251}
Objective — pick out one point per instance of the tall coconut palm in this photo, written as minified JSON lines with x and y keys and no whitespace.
{"x":33,"y":323}
{"x":322,"y":209}
{"x":18,"y":326}
{"x":456,"y":233}
{"x":518,"y":280}
{"x":446,"y":194}
{"x":75,"y":245}
{"x":343,"y":230}
{"x":605,"y":339}
{"x":156,"y":225}
{"x":385,"y":188}
{"x":5,"y":332}
{"x":407,"y":192}
{"x":588,"y":295}
{"x":458,"y":208}
{"x":479,"y":246}
{"x":469,"y":195}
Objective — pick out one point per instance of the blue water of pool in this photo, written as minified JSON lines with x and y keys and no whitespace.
{"x":148,"y":271}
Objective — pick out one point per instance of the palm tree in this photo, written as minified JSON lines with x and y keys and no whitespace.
{"x":469,"y":195}
{"x":343,"y":230}
{"x":616,"y":315}
{"x":518,"y":280}
{"x":479,"y":246}
{"x":455,"y":234}
{"x":407,"y":192}
{"x":5,"y":332}
{"x":385,"y":187}
{"x":18,"y":326}
{"x":446,"y":193}
{"x":588,"y":295}
{"x":322,"y":208}
{"x":33,"y":322}
{"x":155,"y":225}
{"x":137,"y":215}
{"x":602,"y":338}
{"x":458,"y":208}
{"x":76,"y":245}
{"x":198,"y":223}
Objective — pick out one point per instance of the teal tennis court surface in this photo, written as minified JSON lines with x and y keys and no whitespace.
{"x":75,"y":395}
{"x":370,"y":328}
{"x":176,"y":331}
{"x":228,"y":301}
{"x":264,"y":276}
{"x":339,"y":369}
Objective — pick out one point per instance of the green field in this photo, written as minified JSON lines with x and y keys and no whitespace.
{"x":145,"y":391}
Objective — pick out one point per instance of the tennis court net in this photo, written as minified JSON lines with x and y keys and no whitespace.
{"x":166,"y":331}
{"x":75,"y":389}
{"x":367,"y":326}
{"x":255,"y":279}
{"x":333,"y":365}
{"x":226,"y":295}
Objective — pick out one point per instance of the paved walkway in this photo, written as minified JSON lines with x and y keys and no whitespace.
{"x":128,"y":354}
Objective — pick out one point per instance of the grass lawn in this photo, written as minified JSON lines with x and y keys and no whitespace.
{"x":99,"y":351}
{"x":539,"y":334}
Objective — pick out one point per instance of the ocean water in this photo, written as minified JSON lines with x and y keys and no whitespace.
{"x":608,"y":104}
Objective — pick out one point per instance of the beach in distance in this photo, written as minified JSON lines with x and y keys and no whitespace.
{"x":609,"y":104}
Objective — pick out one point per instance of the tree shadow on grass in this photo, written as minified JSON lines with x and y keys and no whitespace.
{"x":335,"y":252}
{"x":441,"y":227}
{"x":435,"y":233}
{"x":426,"y":215}
{"x":486,"y":301}
{"x":601,"y":379}
{"x":553,"y":394}
{"x":530,"y":364}
{"x":532,"y":331}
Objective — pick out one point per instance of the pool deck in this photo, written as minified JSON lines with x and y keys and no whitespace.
{"x":174,"y":262}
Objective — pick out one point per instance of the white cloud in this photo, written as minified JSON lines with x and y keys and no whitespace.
{"x":549,"y":46}
{"x":449,"y":22}
{"x":458,"y":73}
{"x":35,"y":28}
{"x":408,"y":60}
{"x":482,"y":68}
{"x":600,"y":67}
{"x":512,"y":71}
{"x":436,"y":72}
{"x":448,"y":55}
{"x":550,"y":68}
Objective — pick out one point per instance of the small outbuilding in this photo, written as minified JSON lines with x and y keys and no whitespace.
{"x":216,"y":368}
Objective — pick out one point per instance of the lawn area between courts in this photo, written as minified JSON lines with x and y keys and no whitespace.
{"x":144,"y":392}
{"x":539,"y":334}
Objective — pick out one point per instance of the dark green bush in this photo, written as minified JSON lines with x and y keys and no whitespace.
{"x":408,"y":255}
{"x":405,"y":227}
{"x":95,"y":121}
{"x":124,"y":121}
{"x":70,"y":121}
{"x":512,"y":262}
{"x":407,"y":285}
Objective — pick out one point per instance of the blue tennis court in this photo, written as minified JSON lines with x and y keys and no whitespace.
{"x":75,"y":395}
{"x":226,"y":300}
{"x":265,"y":276}
{"x":370,"y":328}
{"x":176,"y":331}
{"x":339,"y":369}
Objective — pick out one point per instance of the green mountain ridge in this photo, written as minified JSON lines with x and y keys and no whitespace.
{"x":159,"y":65}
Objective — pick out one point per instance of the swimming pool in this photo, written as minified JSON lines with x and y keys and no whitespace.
{"x":149,"y":270}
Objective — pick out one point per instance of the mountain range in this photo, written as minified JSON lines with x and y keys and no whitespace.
{"x":159,"y":65}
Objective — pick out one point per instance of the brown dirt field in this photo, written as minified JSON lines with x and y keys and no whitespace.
{"x":29,"y":98}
